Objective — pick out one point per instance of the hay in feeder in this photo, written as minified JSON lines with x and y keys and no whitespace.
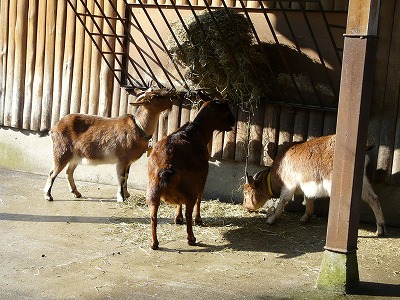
{"x":216,"y":51}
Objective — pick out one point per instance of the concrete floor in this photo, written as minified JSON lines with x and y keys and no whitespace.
{"x":79,"y":249}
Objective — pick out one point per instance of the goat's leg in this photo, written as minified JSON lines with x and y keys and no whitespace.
{"x":197,"y":218}
{"x":153,"y":219}
{"x":178,"y":215}
{"x":126,"y":193}
{"x":283,"y":200}
{"x":58,"y":167}
{"x":70,"y":179}
{"x":371,"y":198}
{"x":121,"y":173}
{"x":309,"y":210}
{"x":189,"y":225}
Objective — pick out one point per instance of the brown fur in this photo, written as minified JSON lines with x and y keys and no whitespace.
{"x":99,"y":140}
{"x":178,"y":166}
{"x":303,"y":168}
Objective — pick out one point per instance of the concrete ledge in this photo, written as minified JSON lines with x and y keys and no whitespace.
{"x":26,"y":151}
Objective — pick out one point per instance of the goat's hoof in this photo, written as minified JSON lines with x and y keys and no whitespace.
{"x":192,"y":242}
{"x":76,"y":194}
{"x":198,"y":221}
{"x":49,"y":198}
{"x":304,"y":220}
{"x":178,"y":220}
{"x":127,"y":195}
{"x":154,"y":246}
{"x":380,"y":231}
{"x":271,"y":220}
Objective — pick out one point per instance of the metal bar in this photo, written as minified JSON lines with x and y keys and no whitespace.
{"x":265,"y":55}
{"x":280,"y":51}
{"x":282,"y":9}
{"x":319,"y":51}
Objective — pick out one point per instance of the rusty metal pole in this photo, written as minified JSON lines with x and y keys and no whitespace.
{"x":339,"y":268}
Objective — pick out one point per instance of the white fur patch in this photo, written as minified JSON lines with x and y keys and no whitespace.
{"x":313,"y":189}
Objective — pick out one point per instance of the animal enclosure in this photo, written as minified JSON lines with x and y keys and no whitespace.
{"x":51,"y":65}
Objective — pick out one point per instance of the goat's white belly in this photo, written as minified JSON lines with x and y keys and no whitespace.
{"x":95,"y":162}
{"x":314,"y":189}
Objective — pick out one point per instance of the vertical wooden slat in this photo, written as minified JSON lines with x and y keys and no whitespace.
{"x":77,"y":72}
{"x":173,"y":119}
{"x":94,"y":91}
{"x":217,"y":144}
{"x":242,"y":136}
{"x":48,"y":78}
{"x":270,"y":136}
{"x":123,"y":103}
{"x":87,"y":62}
{"x":39,"y":67}
{"x":385,"y":27}
{"x":216,"y":3}
{"x":286,"y":124}
{"x":185,"y":112}
{"x":68,"y":63}
{"x":230,"y":141}
{"x":328,"y":5}
{"x":341,"y":5}
{"x":230,"y":3}
{"x":106,"y":74}
{"x":19,"y":70}
{"x":256,"y":129}
{"x":388,"y":159}
{"x":329,"y":123}
{"x":116,"y":97}
{"x":162,"y":125}
{"x":301,"y":125}
{"x":30,"y":62}
{"x":58,"y":57}
{"x":3,"y":55}
{"x":315,"y":127}
{"x":10,"y":61}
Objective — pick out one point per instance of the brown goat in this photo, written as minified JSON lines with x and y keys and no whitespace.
{"x":178,"y":165}
{"x":304,"y":167}
{"x":79,"y":138}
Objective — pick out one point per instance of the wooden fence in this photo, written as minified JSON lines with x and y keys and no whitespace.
{"x":49,"y":68}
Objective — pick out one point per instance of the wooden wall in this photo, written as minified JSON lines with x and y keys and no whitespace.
{"x":49,"y":68}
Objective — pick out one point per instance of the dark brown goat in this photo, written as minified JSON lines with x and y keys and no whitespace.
{"x":79,"y":138}
{"x":178,"y":165}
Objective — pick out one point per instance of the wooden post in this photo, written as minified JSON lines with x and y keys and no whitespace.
{"x":30,"y":62}
{"x":270,"y":136}
{"x":339,"y":269}
{"x":48,"y":78}
{"x":39,"y":66}
{"x":19,"y":69}
{"x":58,"y":57}
{"x":3,"y":55}
{"x":76,"y":89}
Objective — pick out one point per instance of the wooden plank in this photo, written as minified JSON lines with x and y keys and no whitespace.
{"x":228,"y":152}
{"x":255,"y":135}
{"x":106,"y":74}
{"x":328,"y":5}
{"x":329,"y":123}
{"x":242,"y":136}
{"x":77,"y":72}
{"x":58,"y":57}
{"x":378,"y":97}
{"x":185,"y":112}
{"x":300,"y":128}
{"x":39,"y":67}
{"x":286,"y":124}
{"x":87,"y":61}
{"x":123,"y":103}
{"x":10,"y":61}
{"x":94,"y":91}
{"x":217,"y":144}
{"x":30,"y":62}
{"x":48,"y":79}
{"x":391,"y":104}
{"x":341,"y":5}
{"x":116,"y":96}
{"x":3,"y":55}
{"x":363,"y":17}
{"x":173,"y":119}
{"x":270,"y":134}
{"x":162,"y":125}
{"x":315,"y":125}
{"x":19,"y":69}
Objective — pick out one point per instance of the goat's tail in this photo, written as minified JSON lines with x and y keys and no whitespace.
{"x":44,"y":132}
{"x":165,"y":175}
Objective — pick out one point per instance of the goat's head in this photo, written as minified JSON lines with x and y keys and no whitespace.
{"x":156,"y":100}
{"x":218,"y":110}
{"x":255,"y":191}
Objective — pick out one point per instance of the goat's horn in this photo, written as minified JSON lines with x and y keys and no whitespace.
{"x":247,"y":178}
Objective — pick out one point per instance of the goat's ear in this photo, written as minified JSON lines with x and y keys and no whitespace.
{"x":203,"y":96}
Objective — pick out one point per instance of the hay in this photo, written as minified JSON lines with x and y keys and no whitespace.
{"x":217,"y":52}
